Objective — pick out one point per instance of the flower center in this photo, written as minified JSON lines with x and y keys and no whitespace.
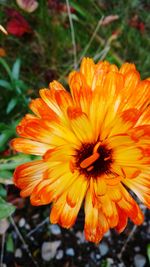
{"x":93,"y":159}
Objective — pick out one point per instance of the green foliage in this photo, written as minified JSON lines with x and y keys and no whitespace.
{"x":148,"y":252}
{"x":9,"y":243}
{"x":13,"y":89}
{"x":12,"y":162}
{"x":6,"y":132}
{"x":105,"y":263}
{"x":6,"y":209}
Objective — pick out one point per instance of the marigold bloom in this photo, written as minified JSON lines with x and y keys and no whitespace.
{"x":93,"y":143}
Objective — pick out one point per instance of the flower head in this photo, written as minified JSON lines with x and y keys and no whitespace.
{"x":94,"y":146}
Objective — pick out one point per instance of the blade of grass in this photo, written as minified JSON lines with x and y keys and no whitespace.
{"x":72,"y":34}
{"x":6,"y":67}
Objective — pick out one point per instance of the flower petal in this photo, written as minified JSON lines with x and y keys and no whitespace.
{"x":39,"y":107}
{"x":75,"y":190}
{"x":92,"y":228}
{"x":29,"y":147}
{"x":63,"y":213}
{"x":141,"y":187}
{"x":57,"y":98}
{"x":80,"y":125}
{"x":28,"y":175}
{"x":122,"y":222}
{"x":34,"y":128}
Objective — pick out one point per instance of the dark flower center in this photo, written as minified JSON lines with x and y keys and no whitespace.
{"x":93,"y":159}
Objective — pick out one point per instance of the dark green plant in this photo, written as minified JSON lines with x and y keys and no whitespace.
{"x":13,"y":89}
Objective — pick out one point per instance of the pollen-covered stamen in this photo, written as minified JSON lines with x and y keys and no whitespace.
{"x":89,"y":161}
{"x":96,"y":147}
{"x":93,"y":159}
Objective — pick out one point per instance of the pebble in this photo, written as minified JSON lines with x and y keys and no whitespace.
{"x":98,"y":256}
{"x":4,"y":224}
{"x":18,"y":253}
{"x":55,"y":229}
{"x":92,"y":256}
{"x":137,"y":249}
{"x":49,"y":250}
{"x":27,"y":226}
{"x":107,"y":234}
{"x":103,"y":247}
{"x":21,"y":222}
{"x":121,"y":264}
{"x":70,"y":252}
{"x":80,"y":236}
{"x":139,"y":260}
{"x":110,"y":261}
{"x":59,"y":254}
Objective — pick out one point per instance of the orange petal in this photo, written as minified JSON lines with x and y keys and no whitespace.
{"x":39,"y":107}
{"x":114,"y":193}
{"x":34,"y":128}
{"x":140,"y":132}
{"x":87,"y":69}
{"x":57,"y":209}
{"x":127,"y":67}
{"x":107,"y":206}
{"x":128,"y":204}
{"x":141,"y":98}
{"x":28,"y":175}
{"x":55,"y":188}
{"x":57,"y":98}
{"x":29,"y":147}
{"x":113,"y":220}
{"x":131,"y":115}
{"x":63,"y":213}
{"x":80,"y":125}
{"x":73,"y":195}
{"x":101,"y":186}
{"x":144,"y":118}
{"x":141,"y":187}
{"x":80,"y":91}
{"x":130,"y":172}
{"x":92,"y":227}
{"x":132,"y":80}
{"x":122,"y":222}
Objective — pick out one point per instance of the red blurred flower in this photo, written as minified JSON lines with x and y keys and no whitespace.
{"x":17,"y":25}
{"x":137,"y":24}
{"x":58,"y":6}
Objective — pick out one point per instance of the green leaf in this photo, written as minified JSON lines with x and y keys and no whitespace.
{"x":83,"y":12}
{"x":105,"y":263}
{"x":148,"y":252}
{"x":6,"y":209}
{"x":12,"y":162}
{"x":5,"y":85}
{"x":9,"y":243}
{"x":5,"y":175}
{"x":16,"y":69}
{"x":21,"y":85}
{"x":3,"y":126}
{"x":6,"y":67}
{"x":3,"y":192}
{"x":12,"y":103}
{"x":4,"y":136}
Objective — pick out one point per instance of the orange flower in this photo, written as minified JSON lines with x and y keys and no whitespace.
{"x":94,"y":144}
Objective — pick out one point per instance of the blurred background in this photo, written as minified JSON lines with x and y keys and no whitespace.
{"x":45,"y":41}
